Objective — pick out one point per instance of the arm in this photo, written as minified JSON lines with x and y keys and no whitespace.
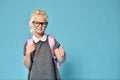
{"x":27,"y":58}
{"x":27,"y":61}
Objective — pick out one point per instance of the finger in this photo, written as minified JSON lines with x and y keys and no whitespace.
{"x":30,"y":41}
{"x":61,"y":51}
{"x":57,"y":53}
{"x":31,"y":47}
{"x":61,"y":46}
{"x":56,"y":50}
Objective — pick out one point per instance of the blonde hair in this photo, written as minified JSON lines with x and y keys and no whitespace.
{"x":35,"y":13}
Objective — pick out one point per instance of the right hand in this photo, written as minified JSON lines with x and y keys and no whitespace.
{"x":30,"y":47}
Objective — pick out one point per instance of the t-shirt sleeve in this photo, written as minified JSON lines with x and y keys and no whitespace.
{"x":24,"y":49}
{"x":57,"y":44}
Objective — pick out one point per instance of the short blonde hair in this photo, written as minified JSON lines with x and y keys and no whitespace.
{"x":35,"y":13}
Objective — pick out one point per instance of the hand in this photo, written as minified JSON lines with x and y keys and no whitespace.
{"x":59,"y":52}
{"x":30,"y":47}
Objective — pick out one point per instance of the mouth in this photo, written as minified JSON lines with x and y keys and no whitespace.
{"x":39,"y":29}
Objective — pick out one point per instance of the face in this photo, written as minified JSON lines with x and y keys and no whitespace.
{"x":39,"y":24}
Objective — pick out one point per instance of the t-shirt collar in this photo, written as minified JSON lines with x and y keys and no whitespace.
{"x":44,"y":38}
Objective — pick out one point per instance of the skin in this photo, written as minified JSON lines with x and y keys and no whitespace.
{"x":39,"y":33}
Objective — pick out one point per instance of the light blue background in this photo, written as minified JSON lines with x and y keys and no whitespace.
{"x":89,"y":29}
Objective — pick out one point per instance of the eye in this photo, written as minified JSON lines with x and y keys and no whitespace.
{"x":44,"y":23}
{"x":35,"y":22}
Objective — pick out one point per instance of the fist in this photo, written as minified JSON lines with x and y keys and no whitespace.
{"x":30,"y":47}
{"x":59,"y":52}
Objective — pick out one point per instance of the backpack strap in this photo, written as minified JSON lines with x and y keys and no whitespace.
{"x":30,"y":41}
{"x":51,"y":42}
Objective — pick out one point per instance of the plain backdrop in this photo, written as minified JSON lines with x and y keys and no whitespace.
{"x":89,"y":29}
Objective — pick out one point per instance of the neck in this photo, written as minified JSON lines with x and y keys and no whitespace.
{"x":39,"y":36}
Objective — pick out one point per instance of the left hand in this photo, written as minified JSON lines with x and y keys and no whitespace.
{"x":59,"y":52}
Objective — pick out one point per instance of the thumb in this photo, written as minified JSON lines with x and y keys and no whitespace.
{"x":61,"y":46}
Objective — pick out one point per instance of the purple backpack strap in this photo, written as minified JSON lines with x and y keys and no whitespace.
{"x":52,"y":44}
{"x":30,"y":41}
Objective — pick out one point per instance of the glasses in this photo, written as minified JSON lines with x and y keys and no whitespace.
{"x":37,"y":24}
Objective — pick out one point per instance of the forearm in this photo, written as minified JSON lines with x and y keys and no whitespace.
{"x":27,"y":61}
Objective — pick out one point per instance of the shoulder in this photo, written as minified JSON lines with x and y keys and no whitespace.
{"x":52,"y":39}
{"x":50,"y":36}
{"x":28,"y":40}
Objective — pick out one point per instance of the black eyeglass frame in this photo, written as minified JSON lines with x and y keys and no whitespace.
{"x":37,"y":24}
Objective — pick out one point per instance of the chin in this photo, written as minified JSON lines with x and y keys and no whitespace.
{"x":41,"y":33}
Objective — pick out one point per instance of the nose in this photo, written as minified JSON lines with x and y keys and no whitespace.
{"x":40,"y":25}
